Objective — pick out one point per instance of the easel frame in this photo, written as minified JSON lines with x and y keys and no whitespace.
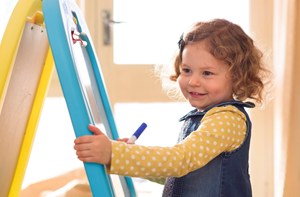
{"x":77,"y":100}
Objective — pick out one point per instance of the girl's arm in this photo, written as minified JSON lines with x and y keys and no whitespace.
{"x":222,"y":130}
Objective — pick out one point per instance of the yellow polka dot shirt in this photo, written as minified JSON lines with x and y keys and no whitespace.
{"x":222,"y":129}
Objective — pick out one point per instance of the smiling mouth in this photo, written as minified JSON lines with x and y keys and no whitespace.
{"x":197,"y":94}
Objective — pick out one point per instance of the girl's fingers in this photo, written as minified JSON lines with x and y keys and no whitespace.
{"x":83,"y":139}
{"x":95,"y":130}
{"x":81,"y":147}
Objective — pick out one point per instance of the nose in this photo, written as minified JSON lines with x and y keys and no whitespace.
{"x":194,"y":80}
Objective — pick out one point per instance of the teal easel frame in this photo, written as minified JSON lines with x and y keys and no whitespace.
{"x":63,"y":21}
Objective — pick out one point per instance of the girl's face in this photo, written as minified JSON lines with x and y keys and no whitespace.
{"x":204,"y":80}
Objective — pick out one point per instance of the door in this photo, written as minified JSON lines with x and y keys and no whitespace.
{"x":146,"y":25}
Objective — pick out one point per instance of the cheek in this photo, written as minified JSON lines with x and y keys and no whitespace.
{"x":226,"y":90}
{"x":221,"y":88}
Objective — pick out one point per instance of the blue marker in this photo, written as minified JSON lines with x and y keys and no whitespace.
{"x":137,"y":134}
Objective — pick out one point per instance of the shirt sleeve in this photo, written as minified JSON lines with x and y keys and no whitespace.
{"x":222,"y":129}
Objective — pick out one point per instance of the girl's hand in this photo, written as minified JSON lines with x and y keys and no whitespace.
{"x":94,"y":148}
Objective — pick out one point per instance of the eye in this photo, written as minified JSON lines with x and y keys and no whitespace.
{"x":207,"y":73}
{"x":186,"y":70}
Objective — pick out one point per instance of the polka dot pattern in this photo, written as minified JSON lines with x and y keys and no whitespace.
{"x":222,"y":129}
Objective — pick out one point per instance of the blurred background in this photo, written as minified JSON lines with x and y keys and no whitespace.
{"x":130,"y":38}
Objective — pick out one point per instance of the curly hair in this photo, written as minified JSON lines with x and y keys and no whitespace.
{"x":228,"y":42}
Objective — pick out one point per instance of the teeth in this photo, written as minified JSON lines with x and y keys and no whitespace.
{"x":196,"y":93}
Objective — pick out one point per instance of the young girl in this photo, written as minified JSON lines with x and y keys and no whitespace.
{"x":219,"y":70}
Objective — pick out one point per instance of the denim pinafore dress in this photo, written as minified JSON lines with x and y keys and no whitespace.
{"x":225,"y":176}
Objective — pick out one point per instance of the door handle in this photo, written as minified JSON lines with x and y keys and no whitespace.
{"x":107,"y":26}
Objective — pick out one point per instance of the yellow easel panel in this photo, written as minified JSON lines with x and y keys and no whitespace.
{"x":32,"y":124}
{"x":25,"y":72}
